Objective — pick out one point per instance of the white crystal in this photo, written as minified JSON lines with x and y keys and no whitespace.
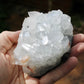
{"x":43,"y":41}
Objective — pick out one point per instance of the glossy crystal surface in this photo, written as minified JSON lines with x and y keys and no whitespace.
{"x":43,"y":40}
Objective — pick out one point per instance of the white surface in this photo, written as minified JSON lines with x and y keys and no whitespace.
{"x":43,"y":41}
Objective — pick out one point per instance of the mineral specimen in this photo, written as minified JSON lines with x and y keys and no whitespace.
{"x":44,"y":39}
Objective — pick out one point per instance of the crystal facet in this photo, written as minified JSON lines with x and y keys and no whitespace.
{"x":44,"y":39}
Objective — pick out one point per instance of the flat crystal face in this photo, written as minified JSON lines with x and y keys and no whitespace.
{"x":44,"y":39}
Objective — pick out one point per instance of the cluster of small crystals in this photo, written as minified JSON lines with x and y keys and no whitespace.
{"x":43,"y":41}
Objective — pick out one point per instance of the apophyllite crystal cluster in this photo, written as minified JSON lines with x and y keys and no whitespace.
{"x":44,"y":39}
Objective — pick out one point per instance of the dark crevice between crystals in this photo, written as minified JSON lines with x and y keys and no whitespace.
{"x":63,"y":60}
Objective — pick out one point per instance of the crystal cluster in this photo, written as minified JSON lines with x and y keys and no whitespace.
{"x":44,"y":39}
